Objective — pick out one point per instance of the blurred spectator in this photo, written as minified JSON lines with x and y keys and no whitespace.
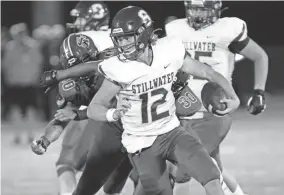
{"x":50,"y":39}
{"x":5,"y":38}
{"x":21,"y":67}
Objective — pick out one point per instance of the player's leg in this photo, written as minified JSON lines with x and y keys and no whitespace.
{"x":192,"y":159}
{"x":82,"y":146}
{"x":65,"y":166}
{"x":103,"y":158}
{"x":134,"y":177}
{"x":232,"y":183}
{"x":138,"y":189}
{"x":150,"y":165}
{"x":117,"y":179}
{"x":211,"y":131}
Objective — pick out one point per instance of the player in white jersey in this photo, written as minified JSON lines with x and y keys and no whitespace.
{"x":143,"y":74}
{"x":216,"y":41}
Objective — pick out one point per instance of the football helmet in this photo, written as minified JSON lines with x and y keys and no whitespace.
{"x":89,"y":15}
{"x":202,"y":13}
{"x":77,"y":48}
{"x":131,"y":31}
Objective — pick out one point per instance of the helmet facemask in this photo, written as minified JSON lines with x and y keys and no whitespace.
{"x":201,"y":15}
{"x":132,"y":44}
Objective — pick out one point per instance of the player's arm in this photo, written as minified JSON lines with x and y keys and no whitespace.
{"x":201,"y":70}
{"x":100,"y":108}
{"x":77,"y":71}
{"x":245,"y":46}
{"x":258,"y":56}
{"x":51,"y":133}
{"x":256,"y":103}
{"x":50,"y":78}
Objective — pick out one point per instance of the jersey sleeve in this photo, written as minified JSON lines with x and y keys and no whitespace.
{"x":170,"y":30}
{"x":173,"y":28}
{"x":238,"y":35}
{"x":115,"y":71}
{"x":178,"y":52}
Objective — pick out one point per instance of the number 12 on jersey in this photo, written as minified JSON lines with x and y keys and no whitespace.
{"x":153,"y":108}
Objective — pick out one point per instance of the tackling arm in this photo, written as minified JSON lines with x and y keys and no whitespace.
{"x":78,"y":70}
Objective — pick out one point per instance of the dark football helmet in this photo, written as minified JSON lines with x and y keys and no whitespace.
{"x":77,"y":48}
{"x":202,"y":13}
{"x":131,"y":31}
{"x":89,"y":15}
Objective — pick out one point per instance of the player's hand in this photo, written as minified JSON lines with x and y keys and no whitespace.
{"x":123,"y":104}
{"x":256,"y":104}
{"x":232,"y":105}
{"x":65,"y":115}
{"x":48,"y":80}
{"x":39,"y":146}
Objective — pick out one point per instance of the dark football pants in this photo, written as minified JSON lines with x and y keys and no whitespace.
{"x":211,"y":131}
{"x":180,"y":147}
{"x":104,"y":156}
{"x":75,"y":146}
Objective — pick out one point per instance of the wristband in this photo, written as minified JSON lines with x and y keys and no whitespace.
{"x":81,"y":115}
{"x":45,"y":142}
{"x":109,"y":115}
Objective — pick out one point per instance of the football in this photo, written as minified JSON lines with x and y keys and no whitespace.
{"x":211,"y":95}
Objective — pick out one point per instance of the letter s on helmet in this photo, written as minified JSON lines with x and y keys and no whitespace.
{"x":77,"y":48}
{"x":136,"y":22}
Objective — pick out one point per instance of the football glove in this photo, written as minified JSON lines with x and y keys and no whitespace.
{"x":256,"y":103}
{"x":39,"y":146}
{"x":48,"y":80}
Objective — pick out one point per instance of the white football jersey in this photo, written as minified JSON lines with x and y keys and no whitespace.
{"x":148,"y":88}
{"x":101,"y":39}
{"x":211,"y":45}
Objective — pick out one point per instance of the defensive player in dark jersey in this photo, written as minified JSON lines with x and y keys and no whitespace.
{"x":92,"y":18}
{"x":106,"y":152}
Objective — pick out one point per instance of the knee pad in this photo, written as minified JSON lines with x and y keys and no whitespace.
{"x":181,"y":177}
{"x":134,"y":177}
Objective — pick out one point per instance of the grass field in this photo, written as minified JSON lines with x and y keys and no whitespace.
{"x":253,"y":152}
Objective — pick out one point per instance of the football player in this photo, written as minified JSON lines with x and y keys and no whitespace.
{"x":143,"y":74}
{"x":217,"y":42}
{"x":92,"y":18}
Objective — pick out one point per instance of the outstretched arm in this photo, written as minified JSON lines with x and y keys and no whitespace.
{"x":51,"y":133}
{"x":78,"y":70}
{"x":49,"y":79}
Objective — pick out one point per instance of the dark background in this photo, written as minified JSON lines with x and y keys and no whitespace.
{"x":252,"y":151}
{"x":264,"y":20}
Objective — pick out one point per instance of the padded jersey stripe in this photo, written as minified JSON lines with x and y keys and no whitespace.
{"x":236,"y":46}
